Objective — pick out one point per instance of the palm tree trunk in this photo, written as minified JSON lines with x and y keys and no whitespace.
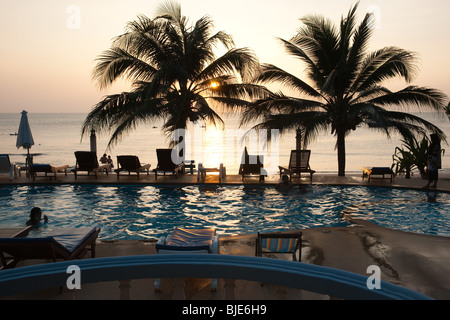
{"x":341,"y":152}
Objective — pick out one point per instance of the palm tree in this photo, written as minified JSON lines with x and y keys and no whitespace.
{"x":346,"y":88}
{"x":174,"y":72}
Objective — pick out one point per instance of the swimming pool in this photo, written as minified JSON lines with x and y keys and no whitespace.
{"x":149,"y":211}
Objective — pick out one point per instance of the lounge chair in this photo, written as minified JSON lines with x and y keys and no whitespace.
{"x":131,"y":164}
{"x":87,"y":161}
{"x":7,"y":167}
{"x":47,"y":168}
{"x":279,"y":243}
{"x":379,"y":171}
{"x":252,"y":165}
{"x":58,"y":243}
{"x":188,"y":241}
{"x":298,"y":168}
{"x":166,"y":165}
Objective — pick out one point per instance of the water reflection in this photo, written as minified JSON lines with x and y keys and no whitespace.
{"x":142,"y":212}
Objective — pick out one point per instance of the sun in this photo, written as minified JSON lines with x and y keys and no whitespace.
{"x":214,"y":84}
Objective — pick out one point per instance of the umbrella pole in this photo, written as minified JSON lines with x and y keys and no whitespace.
{"x":298,"y":140}
{"x":29,"y":162}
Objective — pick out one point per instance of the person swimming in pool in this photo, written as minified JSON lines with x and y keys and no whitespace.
{"x":36,"y":218}
{"x":285,"y":185}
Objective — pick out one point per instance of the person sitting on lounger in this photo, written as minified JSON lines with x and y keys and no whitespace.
{"x":110,"y":161}
{"x":285,"y":185}
{"x":104,"y":159}
{"x":36,"y":218}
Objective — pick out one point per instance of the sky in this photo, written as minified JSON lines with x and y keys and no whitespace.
{"x":49,"y":47}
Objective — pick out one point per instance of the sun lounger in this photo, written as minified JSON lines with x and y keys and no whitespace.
{"x":379,"y":171}
{"x":58,"y":243}
{"x":188,"y":241}
{"x":166,"y":164}
{"x":47,"y":168}
{"x":131,"y":164}
{"x":87,"y":161}
{"x":279,"y":243}
{"x":7,"y":167}
{"x":252,"y":165}
{"x":298,"y":164}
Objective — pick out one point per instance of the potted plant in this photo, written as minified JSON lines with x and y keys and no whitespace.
{"x":412,"y":155}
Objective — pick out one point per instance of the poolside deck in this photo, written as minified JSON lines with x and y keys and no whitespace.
{"x":418,"y":262}
{"x":213,"y":178}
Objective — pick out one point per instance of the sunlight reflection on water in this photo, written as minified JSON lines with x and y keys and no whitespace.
{"x":148,"y":212}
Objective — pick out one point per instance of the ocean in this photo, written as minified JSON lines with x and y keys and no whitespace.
{"x":58,"y":135}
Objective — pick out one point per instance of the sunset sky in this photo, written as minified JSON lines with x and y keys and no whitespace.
{"x":49,"y":47}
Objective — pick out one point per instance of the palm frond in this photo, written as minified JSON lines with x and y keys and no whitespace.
{"x":385,"y":64}
{"x":277,"y":103}
{"x":346,"y":32}
{"x":240,"y":61}
{"x":115,"y":63}
{"x":313,"y":71}
{"x":417,"y":96}
{"x":120,"y":113}
{"x":319,"y":38}
{"x":368,"y":94}
{"x":355,"y":56}
{"x":406,"y":124}
{"x":271,"y":73}
{"x":171,"y":10}
{"x":240,"y":91}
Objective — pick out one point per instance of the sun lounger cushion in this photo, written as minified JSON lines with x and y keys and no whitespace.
{"x":188,"y":240}
{"x":68,"y":239}
{"x":41,"y":168}
{"x":381,"y":170}
{"x":71,"y":238}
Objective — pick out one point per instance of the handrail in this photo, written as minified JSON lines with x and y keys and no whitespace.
{"x":338,"y":283}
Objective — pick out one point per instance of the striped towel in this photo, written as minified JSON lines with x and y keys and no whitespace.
{"x":278,"y":244}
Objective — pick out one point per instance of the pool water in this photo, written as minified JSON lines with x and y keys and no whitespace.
{"x":148,"y":212}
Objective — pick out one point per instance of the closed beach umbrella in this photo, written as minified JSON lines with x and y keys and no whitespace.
{"x":24,"y":136}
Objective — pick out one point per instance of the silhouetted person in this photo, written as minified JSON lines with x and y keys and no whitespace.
{"x":36,"y":217}
{"x":104,"y":159}
{"x":285,"y":185}
{"x":434,"y":161}
{"x":110,"y":161}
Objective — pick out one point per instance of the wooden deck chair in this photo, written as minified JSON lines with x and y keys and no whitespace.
{"x":189,"y":241}
{"x":131,"y":164}
{"x":7,"y":167}
{"x":87,"y":161}
{"x":298,"y":164}
{"x":46,"y":169}
{"x":279,"y":243}
{"x":252,"y":165}
{"x":166,"y":164}
{"x":379,"y":171}
{"x":58,"y":243}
